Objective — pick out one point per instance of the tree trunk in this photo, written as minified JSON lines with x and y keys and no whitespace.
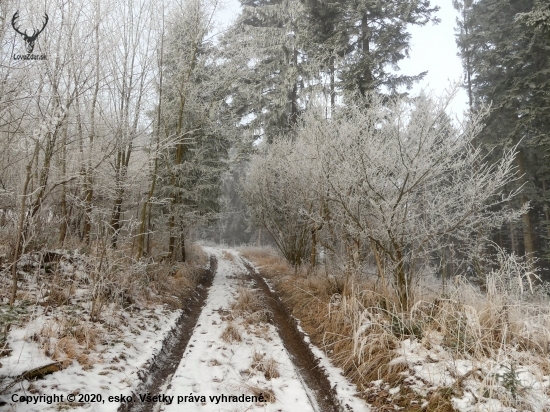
{"x":379,"y":266}
{"x":115,"y":221}
{"x":294,"y":96}
{"x":313,"y":255}
{"x":172,"y":240}
{"x":332,"y":86}
{"x":401,"y":278}
{"x":545,"y":207}
{"x":88,"y":179}
{"x":514,"y":244}
{"x":149,"y":229}
{"x":146,"y":205}
{"x":64,"y":213}
{"x":22,"y":220}
{"x":122,"y":162}
{"x":527,"y":229}
{"x":89,"y":193}
{"x":366,"y":82}
{"x":182,"y":245}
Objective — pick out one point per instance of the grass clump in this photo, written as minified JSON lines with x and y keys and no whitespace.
{"x":249,"y":306}
{"x":267,"y":393}
{"x":267,"y":365}
{"x":231,"y":333}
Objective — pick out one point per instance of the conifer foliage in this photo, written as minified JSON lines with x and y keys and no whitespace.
{"x":505,"y":47}
{"x":290,"y":51}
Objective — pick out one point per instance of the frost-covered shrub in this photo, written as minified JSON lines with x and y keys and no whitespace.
{"x":395,"y":177}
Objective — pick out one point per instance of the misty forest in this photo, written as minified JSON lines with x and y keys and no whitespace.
{"x":261,"y":214}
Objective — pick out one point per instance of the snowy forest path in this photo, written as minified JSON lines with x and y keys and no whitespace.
{"x":240,"y":354}
{"x":164,"y":364}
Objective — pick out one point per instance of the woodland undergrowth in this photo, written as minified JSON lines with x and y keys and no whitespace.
{"x":484,"y":346}
{"x":72,"y":300}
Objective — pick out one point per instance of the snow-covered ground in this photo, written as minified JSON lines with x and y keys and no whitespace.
{"x":253,"y":372}
{"x":234,"y":364}
{"x":427,"y":371}
{"x":345,"y":390}
{"x":99,"y":359}
{"x":113,"y":372}
{"x":482,"y":382}
{"x":212,"y":368}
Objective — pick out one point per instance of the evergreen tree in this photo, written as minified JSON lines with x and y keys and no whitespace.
{"x":193,"y":119}
{"x":264,"y":46}
{"x":287,"y":49}
{"x":327,"y":40}
{"x":464,"y":28}
{"x":378,"y":40}
{"x":509,"y":61}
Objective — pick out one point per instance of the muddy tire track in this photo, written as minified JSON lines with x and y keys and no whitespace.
{"x":166,"y":361}
{"x":307,"y":365}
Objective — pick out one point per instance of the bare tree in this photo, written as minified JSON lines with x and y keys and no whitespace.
{"x":398,"y":177}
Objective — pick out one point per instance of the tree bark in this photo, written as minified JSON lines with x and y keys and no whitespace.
{"x":366,"y":82}
{"x":545,"y":207}
{"x":147,"y":205}
{"x":332,"y":86}
{"x":313,"y":255}
{"x":402,"y":284}
{"x":20,"y":227}
{"x":527,"y":229}
{"x":88,"y":178}
{"x":64,"y":214}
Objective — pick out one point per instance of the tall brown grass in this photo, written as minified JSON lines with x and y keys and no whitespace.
{"x":356,"y":321}
{"x":250,"y":306}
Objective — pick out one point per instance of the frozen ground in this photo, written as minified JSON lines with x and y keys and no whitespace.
{"x":212,"y":367}
{"x":252,"y":372}
{"x":112,"y":370}
{"x":234,"y":364}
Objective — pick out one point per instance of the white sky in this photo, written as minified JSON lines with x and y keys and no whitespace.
{"x":433,"y":48}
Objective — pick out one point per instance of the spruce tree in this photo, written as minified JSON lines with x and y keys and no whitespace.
{"x":196,"y":141}
{"x":263,"y":44}
{"x":509,"y":61}
{"x":378,"y":41}
{"x":287,"y":50}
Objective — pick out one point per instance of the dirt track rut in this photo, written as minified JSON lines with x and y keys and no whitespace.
{"x":304,"y":360}
{"x":195,"y":360}
{"x":167,"y":360}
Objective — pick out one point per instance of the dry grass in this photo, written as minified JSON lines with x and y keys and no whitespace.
{"x":247,"y":301}
{"x":267,"y":393}
{"x":231,"y":333}
{"x":196,"y":255}
{"x":358,"y":325}
{"x":440,"y":401}
{"x":257,"y":358}
{"x":269,"y":366}
{"x":108,"y":282}
{"x":228,"y":256}
{"x":249,"y":306}
{"x":333,"y":321}
{"x":60,"y":291}
{"x":172,"y":285}
{"x":267,"y":258}
{"x":69,"y":339}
